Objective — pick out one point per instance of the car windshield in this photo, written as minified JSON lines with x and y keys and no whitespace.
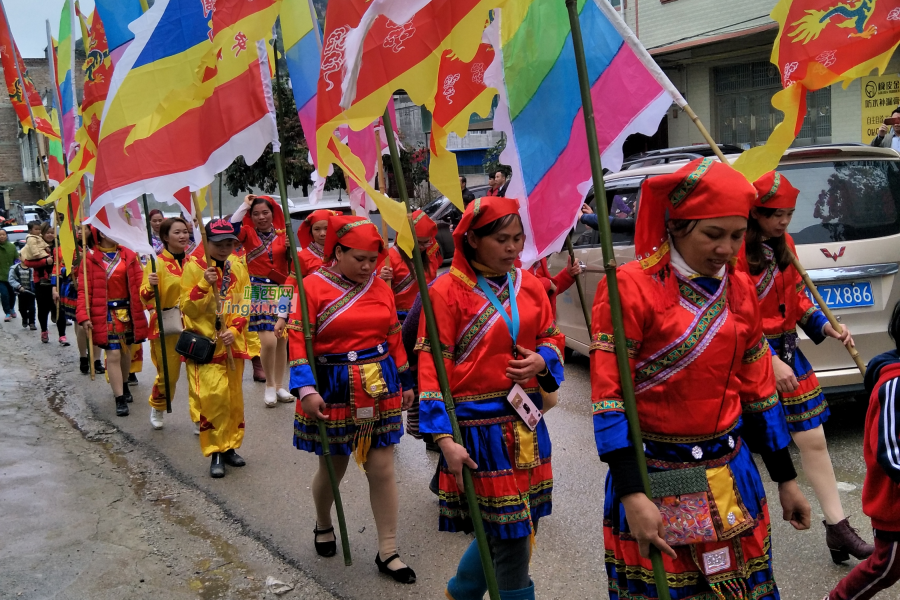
{"x":432,"y":207}
{"x":16,"y":236}
{"x":845,"y":201}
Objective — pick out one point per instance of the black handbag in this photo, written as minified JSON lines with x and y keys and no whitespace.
{"x":195,"y":347}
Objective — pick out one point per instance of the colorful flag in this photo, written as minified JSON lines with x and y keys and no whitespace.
{"x":372,"y":49}
{"x":820,"y":42}
{"x":124,"y":224}
{"x":146,"y":150}
{"x":65,"y":78}
{"x":25,"y":98}
{"x":69,"y":218}
{"x":98,"y":71}
{"x":56,"y":166}
{"x":540,"y":108}
{"x":302,"y":51}
{"x":461,"y":92}
{"x":117,"y":15}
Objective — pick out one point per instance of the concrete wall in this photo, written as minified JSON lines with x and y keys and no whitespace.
{"x":660,"y":23}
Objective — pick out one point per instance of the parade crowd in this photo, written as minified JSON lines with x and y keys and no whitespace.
{"x":711,"y":311}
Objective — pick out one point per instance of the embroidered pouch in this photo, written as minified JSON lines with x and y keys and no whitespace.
{"x":684,"y":503}
{"x":123,"y":315}
{"x":730,"y":516}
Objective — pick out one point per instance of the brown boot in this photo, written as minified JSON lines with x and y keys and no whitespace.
{"x":843,"y":542}
{"x":258,"y":373}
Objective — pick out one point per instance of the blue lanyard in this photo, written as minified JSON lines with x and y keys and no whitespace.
{"x":512,"y":323}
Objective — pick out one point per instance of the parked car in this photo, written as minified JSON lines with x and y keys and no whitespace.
{"x":847,"y":230}
{"x":17,"y":235}
{"x":447,"y":217}
{"x":301,"y":210}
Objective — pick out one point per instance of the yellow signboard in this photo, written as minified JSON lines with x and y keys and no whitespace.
{"x":880,"y":96}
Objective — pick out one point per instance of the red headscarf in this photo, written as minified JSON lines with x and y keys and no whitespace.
{"x":702,"y":189}
{"x":773,"y":190}
{"x":425,"y":227}
{"x":354,"y":232}
{"x":304,"y":232}
{"x":277,"y":215}
{"x":477,"y":214}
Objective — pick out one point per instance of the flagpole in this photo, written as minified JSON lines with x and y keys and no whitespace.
{"x":89,"y":334}
{"x":584,"y":307}
{"x":310,"y":351}
{"x":196,"y":197}
{"x":220,"y":195}
{"x":52,"y":60}
{"x":382,"y":186}
{"x":159,"y":318}
{"x":441,"y":371}
{"x":615,"y":301}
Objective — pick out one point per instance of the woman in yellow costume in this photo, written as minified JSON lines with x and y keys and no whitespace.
{"x":175,"y":234}
{"x":215,"y":385}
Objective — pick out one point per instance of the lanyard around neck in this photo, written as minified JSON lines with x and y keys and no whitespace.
{"x":512,"y":323}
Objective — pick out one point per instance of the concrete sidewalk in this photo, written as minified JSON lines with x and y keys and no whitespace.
{"x":86,"y":517}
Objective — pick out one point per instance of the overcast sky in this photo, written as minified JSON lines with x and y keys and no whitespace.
{"x":27,"y":18}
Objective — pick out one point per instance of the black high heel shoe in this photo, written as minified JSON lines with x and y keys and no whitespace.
{"x":404,"y":575}
{"x":326,"y":549}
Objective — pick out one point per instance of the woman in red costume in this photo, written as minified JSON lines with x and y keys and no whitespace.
{"x":705,"y":399}
{"x":555,"y":285}
{"x":363,"y":381}
{"x":766,"y":257}
{"x":116,"y":316}
{"x":402,"y":273}
{"x":261,"y":231}
{"x":501,"y":349}
{"x":311,"y":234}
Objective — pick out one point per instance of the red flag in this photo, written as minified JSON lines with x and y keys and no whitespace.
{"x":22,"y":92}
{"x":819,"y":43}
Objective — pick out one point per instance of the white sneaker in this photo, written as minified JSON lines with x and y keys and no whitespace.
{"x":156,"y":418}
{"x":284,"y":396}
{"x":270,"y":398}
{"x":196,"y":428}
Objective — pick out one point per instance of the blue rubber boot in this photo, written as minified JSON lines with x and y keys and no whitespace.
{"x":469,"y":582}
{"x":523,"y":594}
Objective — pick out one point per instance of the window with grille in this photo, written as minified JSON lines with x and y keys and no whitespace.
{"x":744,"y":112}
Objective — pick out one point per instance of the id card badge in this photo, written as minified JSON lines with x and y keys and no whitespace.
{"x":523,"y":405}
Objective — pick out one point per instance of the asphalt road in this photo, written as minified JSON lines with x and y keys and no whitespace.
{"x":271,"y":496}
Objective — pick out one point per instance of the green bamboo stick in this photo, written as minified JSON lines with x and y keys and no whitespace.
{"x":584,"y":307}
{"x":615,"y":301}
{"x":159,"y":320}
{"x":435,"y":340}
{"x":310,"y":356}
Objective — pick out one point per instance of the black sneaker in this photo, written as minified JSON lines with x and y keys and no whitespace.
{"x":32,"y":326}
{"x":99,"y":369}
{"x":128,"y":397}
{"x":230,"y":457}
{"x":121,"y":406}
{"x":85,"y":365}
{"x":216,"y":468}
{"x":132,"y":379}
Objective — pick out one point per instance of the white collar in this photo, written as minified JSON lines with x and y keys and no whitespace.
{"x":682,"y":267}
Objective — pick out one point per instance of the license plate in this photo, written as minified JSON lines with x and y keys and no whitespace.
{"x":845,"y":295}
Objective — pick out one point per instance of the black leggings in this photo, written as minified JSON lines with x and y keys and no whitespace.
{"x":45,"y":305}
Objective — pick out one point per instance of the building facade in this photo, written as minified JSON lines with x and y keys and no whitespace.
{"x":717,"y":54}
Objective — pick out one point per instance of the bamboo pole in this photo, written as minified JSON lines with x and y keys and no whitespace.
{"x":196,"y":197}
{"x":307,"y":338}
{"x":159,"y":319}
{"x":615,"y":301}
{"x":584,"y":307}
{"x":854,"y":354}
{"x":89,"y":334}
{"x":435,"y":341}
{"x":310,"y":356}
{"x":382,"y":186}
